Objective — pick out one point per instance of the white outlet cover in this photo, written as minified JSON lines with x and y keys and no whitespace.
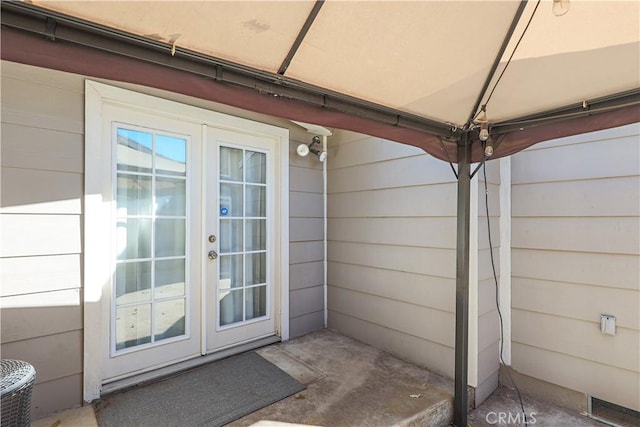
{"x":607,"y":324}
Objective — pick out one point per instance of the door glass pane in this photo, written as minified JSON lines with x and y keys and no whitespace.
{"x":133,"y":238}
{"x":256,"y":167}
{"x":256,"y":302}
{"x":171,"y":154}
{"x":133,"y":326}
{"x":243,"y":231}
{"x":171,"y":196}
{"x":230,"y":199}
{"x":230,"y":235}
{"x":133,"y":195}
{"x":151,"y":197}
{"x":170,"y":278}
{"x":256,"y":200}
{"x":230,"y":271}
{"x":133,"y":282}
{"x":230,"y":164}
{"x":170,"y":237}
{"x":134,"y":151}
{"x":256,"y":235}
{"x":256,"y":271}
{"x":230,"y":307}
{"x":169,"y":319}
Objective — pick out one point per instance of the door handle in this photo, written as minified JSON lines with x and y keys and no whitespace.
{"x":213,"y":255}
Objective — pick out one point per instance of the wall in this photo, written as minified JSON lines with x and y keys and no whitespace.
{"x":576,"y":255}
{"x":42,"y":161}
{"x":306,"y":250}
{"x":483,"y":306}
{"x":391,"y":222}
{"x":41,"y":243}
{"x":392,"y":255}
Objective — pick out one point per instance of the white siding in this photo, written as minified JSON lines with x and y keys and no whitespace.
{"x":488,"y":326}
{"x":42,"y":227}
{"x":576,"y":255}
{"x":41,"y":244}
{"x":391,"y":253}
{"x":306,"y":234}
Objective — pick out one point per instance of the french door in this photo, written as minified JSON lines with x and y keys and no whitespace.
{"x":195,"y":245}
{"x":240,"y":209}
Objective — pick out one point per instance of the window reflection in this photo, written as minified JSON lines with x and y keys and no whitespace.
{"x":171,"y":155}
{"x":150,"y":293}
{"x":242,"y":286}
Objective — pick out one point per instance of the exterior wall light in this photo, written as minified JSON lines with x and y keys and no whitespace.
{"x":315,"y":147}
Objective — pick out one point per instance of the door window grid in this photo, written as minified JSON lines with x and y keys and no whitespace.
{"x":242,"y":183}
{"x":150,"y":294}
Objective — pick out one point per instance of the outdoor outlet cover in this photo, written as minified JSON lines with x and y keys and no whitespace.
{"x":607,"y":324}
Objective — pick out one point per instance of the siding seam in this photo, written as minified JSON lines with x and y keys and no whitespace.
{"x":608,"y":365}
{"x":392,"y":329}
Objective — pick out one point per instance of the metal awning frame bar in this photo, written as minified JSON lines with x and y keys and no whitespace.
{"x":585,"y":108}
{"x":27,"y":17}
{"x":57,"y":26}
{"x":496,"y":62}
{"x":301,"y":35}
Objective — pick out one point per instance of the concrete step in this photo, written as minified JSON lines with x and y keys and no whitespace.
{"x":353,"y":384}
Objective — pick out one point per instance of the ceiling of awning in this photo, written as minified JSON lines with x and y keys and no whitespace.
{"x":435,"y":60}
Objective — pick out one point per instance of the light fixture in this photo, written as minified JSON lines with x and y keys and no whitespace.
{"x":315,"y":147}
{"x":560,"y":7}
{"x":483,"y":134}
{"x":488,"y":148}
{"x":484,"y":126}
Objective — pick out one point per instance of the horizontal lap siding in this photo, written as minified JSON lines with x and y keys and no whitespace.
{"x":488,"y":362}
{"x":41,"y":243}
{"x":391,"y":255}
{"x":576,"y":255}
{"x":306,"y":236}
{"x":41,"y":211}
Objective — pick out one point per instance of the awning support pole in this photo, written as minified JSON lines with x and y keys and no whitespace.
{"x":460,"y":401}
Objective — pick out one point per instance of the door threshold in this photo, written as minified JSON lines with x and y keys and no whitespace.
{"x":166,"y":371}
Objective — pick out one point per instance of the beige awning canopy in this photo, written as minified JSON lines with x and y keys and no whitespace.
{"x":435,"y":62}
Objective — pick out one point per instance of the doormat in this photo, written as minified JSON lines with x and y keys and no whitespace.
{"x":210,"y":395}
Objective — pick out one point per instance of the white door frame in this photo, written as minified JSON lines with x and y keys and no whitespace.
{"x":97,"y":210}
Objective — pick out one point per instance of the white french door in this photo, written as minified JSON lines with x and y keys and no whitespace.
{"x":193,"y":236}
{"x":240,"y":226}
{"x":154,"y":300}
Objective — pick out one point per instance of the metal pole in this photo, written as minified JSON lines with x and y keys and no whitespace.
{"x":460,"y":404}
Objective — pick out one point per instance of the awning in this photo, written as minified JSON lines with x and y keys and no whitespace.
{"x":417,"y":72}
{"x":423,"y":73}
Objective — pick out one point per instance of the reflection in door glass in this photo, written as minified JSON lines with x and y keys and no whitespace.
{"x":231,"y":235}
{"x":230,"y":307}
{"x":231,"y":165}
{"x":134,"y":194}
{"x":169,"y":319}
{"x":133,"y":282}
{"x":256,"y":167}
{"x":256,"y":302}
{"x":171,"y":155}
{"x":150,"y":288}
{"x":230,"y":271}
{"x":134,"y":150}
{"x":231,"y":200}
{"x":242,"y":284}
{"x":133,"y":326}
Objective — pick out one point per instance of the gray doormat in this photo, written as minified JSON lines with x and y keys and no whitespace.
{"x":210,"y":395}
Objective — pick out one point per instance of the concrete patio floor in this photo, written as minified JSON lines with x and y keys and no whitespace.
{"x":353,"y":384}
